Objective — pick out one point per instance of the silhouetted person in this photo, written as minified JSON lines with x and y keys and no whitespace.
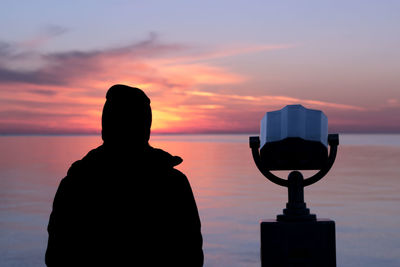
{"x":124,"y":204}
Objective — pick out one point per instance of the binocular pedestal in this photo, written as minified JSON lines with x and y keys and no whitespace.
{"x":296,"y":237}
{"x":301,"y":243}
{"x":296,"y":208}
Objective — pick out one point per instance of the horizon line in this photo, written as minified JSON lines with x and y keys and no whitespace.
{"x":177,"y":133}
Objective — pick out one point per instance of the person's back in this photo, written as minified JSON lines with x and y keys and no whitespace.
{"x":124,"y":204}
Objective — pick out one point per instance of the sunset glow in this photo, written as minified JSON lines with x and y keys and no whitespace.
{"x":53,"y":79}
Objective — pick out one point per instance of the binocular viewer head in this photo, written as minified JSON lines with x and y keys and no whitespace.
{"x":294,"y":138}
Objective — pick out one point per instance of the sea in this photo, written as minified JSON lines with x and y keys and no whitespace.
{"x":361,"y":194}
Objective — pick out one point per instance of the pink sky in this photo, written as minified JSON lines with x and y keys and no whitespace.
{"x":211,"y":81}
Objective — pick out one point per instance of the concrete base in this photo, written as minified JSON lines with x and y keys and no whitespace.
{"x":298,"y":244}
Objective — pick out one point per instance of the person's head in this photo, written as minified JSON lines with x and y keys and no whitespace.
{"x":126,"y":119}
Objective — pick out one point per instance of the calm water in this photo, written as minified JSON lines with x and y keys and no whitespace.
{"x":361,"y":194}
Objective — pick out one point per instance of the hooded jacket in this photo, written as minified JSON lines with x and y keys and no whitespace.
{"x":124,"y":208}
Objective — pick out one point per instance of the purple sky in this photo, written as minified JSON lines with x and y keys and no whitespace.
{"x":209,"y":66}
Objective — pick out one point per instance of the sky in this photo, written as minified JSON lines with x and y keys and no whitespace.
{"x":208,"y":66}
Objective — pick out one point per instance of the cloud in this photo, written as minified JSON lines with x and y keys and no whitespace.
{"x":71,"y":67}
{"x":43,"y":92}
{"x":74,"y":82}
{"x":9,"y":52}
{"x":141,"y":59}
{"x":46,"y":34}
{"x":275,"y":100}
{"x":54,"y":30}
{"x":393,"y":102}
{"x":29,"y":77}
{"x":5,"y":49}
{"x":65,"y":92}
{"x":230,"y":51}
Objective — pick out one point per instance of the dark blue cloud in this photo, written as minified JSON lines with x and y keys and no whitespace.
{"x":64,"y":68}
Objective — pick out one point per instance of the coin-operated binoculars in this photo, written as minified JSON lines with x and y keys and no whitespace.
{"x":295,"y":138}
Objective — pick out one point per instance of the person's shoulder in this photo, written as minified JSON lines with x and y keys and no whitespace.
{"x":178,"y":178}
{"x":85,"y":164}
{"x":177,"y":174}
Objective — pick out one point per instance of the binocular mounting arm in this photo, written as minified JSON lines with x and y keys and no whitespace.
{"x":333,"y":141}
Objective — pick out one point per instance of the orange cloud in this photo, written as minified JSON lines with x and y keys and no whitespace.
{"x":66,"y":93}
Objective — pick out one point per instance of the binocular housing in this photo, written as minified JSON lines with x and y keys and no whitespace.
{"x":294,"y":153}
{"x":294,"y":138}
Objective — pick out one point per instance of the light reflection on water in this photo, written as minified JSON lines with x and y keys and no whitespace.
{"x":360,"y":194}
